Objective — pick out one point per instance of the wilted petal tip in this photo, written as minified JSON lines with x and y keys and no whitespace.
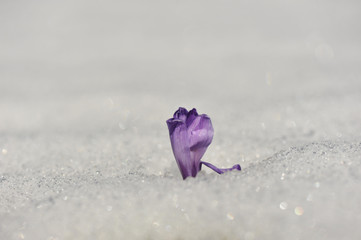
{"x":237,"y":167}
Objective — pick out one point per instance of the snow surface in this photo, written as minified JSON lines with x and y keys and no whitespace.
{"x":86,"y":88}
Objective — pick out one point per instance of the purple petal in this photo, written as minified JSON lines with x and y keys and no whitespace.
{"x":181,"y":150}
{"x":222,"y":170}
{"x":200,"y":136}
{"x":191,"y":116}
{"x":181,"y":114}
{"x":200,"y":132}
{"x":172,"y":124}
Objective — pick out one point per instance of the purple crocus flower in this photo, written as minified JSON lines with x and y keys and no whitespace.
{"x":190,"y":135}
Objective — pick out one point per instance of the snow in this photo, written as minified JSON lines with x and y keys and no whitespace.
{"x":86,"y":88}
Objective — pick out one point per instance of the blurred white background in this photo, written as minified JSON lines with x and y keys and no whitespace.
{"x":218,"y":51}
